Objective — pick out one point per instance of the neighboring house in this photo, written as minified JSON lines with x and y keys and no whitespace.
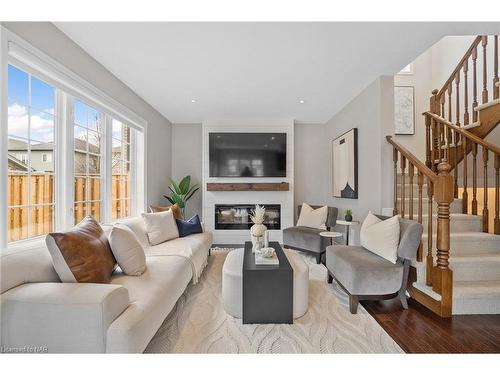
{"x":42,"y":158}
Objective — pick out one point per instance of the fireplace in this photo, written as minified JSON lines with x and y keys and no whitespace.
{"x":237,"y":216}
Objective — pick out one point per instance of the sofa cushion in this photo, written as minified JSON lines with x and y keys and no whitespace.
{"x":160,"y":227}
{"x":175,"y":209}
{"x":82,"y":254}
{"x":191,"y":226}
{"x":193,"y":247}
{"x":305,"y":238}
{"x":363,"y":273}
{"x":152,"y":296}
{"x":127,"y":250}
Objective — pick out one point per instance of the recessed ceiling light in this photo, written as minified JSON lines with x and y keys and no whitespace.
{"x":302,"y":101}
{"x":193,"y":100}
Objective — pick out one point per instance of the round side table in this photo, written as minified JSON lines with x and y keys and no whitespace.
{"x":331,"y":235}
{"x":347,"y":225}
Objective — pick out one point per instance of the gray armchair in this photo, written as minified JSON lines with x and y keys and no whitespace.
{"x":367,"y":276}
{"x":308,"y":239}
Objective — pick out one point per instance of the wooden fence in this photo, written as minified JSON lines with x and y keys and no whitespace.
{"x":42,"y":202}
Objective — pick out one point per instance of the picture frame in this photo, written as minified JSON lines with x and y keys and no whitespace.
{"x":404,"y":110}
{"x":345,"y":165}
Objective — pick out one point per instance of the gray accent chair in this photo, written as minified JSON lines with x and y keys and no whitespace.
{"x":308,"y":239}
{"x":367,"y":276}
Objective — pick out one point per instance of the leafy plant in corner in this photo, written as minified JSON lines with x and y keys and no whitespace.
{"x":181,"y":192}
{"x":348,"y":215}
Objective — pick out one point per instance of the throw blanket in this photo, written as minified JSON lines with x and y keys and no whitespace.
{"x":194,"y":248}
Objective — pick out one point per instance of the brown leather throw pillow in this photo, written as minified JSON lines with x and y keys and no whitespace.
{"x":82,"y":254}
{"x":175,"y":209}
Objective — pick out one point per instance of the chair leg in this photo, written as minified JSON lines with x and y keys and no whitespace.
{"x":353,"y":304}
{"x":318,"y":258}
{"x":330,"y":278}
{"x":402,"y":298}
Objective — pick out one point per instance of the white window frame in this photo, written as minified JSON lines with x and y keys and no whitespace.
{"x":69,"y":86}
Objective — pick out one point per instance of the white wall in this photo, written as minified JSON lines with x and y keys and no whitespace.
{"x":421,"y":80}
{"x":311,"y":181}
{"x":283,"y":198}
{"x":50,"y":40}
{"x":187,"y":160}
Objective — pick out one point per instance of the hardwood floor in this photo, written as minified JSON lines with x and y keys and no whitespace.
{"x":418,"y":330}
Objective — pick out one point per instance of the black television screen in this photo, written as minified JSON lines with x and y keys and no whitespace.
{"x":247,"y":154}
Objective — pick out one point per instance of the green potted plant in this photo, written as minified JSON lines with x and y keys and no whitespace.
{"x":348,"y":215}
{"x":181,"y":192}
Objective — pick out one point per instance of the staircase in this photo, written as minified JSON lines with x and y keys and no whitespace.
{"x":457,"y":270}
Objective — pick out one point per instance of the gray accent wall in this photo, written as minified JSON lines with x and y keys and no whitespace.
{"x":311,"y":157}
{"x":187,"y":160}
{"x":50,"y":40}
{"x":372,"y":113}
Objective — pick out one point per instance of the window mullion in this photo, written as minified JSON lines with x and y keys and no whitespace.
{"x":64,"y":177}
{"x":69,"y":163}
{"x":106,"y":187}
{"x":133,"y":174}
{"x":3,"y":141}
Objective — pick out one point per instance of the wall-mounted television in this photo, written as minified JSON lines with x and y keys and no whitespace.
{"x":247,"y":154}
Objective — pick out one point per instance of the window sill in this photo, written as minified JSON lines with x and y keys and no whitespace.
{"x":27,"y":244}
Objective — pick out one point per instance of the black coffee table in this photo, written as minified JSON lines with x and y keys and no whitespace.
{"x":267,"y":289}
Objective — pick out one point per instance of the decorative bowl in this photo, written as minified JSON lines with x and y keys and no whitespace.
{"x":267,"y":252}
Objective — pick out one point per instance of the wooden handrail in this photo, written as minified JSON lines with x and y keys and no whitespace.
{"x":489,"y":146}
{"x":440,"y":189}
{"x":460,"y":65}
{"x":421,"y":167}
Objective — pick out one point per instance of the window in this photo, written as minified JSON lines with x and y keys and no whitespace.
{"x":30,"y":179}
{"x":67,"y":149}
{"x":88,"y":137}
{"x":120,"y":166}
{"x":408,"y":69}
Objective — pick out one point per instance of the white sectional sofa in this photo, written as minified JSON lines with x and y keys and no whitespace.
{"x":38,"y":311}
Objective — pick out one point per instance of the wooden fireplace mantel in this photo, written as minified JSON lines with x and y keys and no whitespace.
{"x":248,"y":186}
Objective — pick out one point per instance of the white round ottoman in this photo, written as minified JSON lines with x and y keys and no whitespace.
{"x":232,"y":283}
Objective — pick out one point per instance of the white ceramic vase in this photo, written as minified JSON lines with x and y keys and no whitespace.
{"x":257,"y":235}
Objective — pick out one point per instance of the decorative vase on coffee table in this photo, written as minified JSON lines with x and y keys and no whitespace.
{"x":257,"y":235}
{"x":258,"y":230}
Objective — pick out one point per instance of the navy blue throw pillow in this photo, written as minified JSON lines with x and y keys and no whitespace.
{"x":190,"y":226}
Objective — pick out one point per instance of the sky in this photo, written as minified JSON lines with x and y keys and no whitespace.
{"x":41,"y":107}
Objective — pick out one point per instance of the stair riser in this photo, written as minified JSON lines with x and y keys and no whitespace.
{"x":475,"y":271}
{"x":455,"y":207}
{"x":466,"y":271}
{"x":469,"y":246}
{"x":471,"y":224}
{"x":482,"y":305}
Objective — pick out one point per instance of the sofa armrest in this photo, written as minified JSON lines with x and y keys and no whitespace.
{"x":61,"y":317}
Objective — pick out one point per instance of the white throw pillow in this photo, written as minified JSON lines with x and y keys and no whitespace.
{"x":160,"y":226}
{"x":312,"y":218}
{"x":381,"y":237}
{"x":128,"y":252}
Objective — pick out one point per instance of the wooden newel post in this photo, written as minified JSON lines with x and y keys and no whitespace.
{"x":443,"y":275}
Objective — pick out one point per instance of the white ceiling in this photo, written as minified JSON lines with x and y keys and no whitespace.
{"x":256,"y":70}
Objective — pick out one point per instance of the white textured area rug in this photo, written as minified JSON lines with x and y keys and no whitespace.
{"x":199,"y":324}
